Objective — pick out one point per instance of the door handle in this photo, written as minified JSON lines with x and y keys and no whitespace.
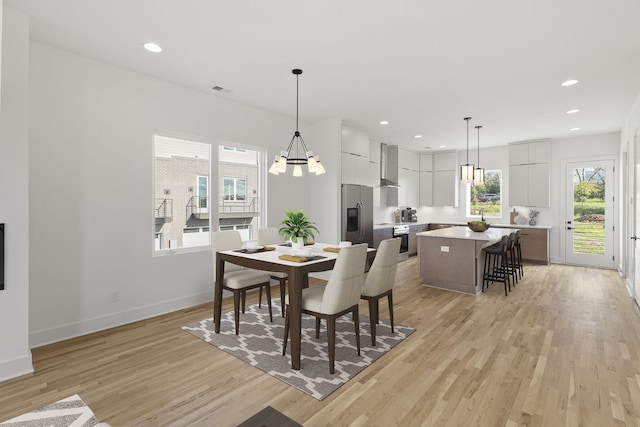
{"x":633,"y":238}
{"x":569,"y":228}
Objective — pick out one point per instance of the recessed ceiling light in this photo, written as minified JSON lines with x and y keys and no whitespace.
{"x":442,"y":146}
{"x":384,"y":122}
{"x":572,"y":111}
{"x":428,"y":148}
{"x":152,"y":47}
{"x":569,"y":82}
{"x":418,"y":136}
{"x":574,"y":129}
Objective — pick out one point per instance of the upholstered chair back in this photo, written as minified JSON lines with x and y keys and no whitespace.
{"x":346,"y":280}
{"x":223,"y":241}
{"x":268,"y":236}
{"x":382,"y":273}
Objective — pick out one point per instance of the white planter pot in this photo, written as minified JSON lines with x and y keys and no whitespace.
{"x":299,"y":245}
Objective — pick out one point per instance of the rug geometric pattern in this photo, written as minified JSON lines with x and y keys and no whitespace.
{"x":69,"y":412}
{"x":260,"y":344}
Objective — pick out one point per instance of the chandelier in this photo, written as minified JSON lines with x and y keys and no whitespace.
{"x":301,"y":154}
{"x":466,"y":170}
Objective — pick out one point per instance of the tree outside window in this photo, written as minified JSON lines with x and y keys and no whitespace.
{"x":485,"y":199}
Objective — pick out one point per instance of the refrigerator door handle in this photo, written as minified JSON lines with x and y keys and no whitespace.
{"x":360,"y":211}
{"x":364,"y":221}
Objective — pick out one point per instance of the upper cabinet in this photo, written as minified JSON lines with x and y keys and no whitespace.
{"x":426,"y":180}
{"x":355,"y":141}
{"x":355,"y":156}
{"x":408,"y":178}
{"x":529,"y":176}
{"x":445,"y":178}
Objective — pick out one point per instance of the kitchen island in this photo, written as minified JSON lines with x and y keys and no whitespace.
{"x":452,"y":258}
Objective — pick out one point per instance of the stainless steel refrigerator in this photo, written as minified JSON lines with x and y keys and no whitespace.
{"x":357,"y":214}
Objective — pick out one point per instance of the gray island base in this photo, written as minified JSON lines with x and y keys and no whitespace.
{"x":452,"y":258}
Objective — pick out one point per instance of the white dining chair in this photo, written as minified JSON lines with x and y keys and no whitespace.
{"x":335,"y":299}
{"x":379,"y":282}
{"x":270,"y":236}
{"x":238,"y":279}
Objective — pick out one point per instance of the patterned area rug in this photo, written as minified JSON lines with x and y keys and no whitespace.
{"x":69,"y":412}
{"x":260,"y":345}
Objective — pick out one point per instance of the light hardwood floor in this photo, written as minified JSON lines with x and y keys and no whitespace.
{"x":562,"y":349}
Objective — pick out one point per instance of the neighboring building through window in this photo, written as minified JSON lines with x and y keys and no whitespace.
{"x":485,"y":199}
{"x":239,"y":178}
{"x":182,"y":171}
{"x":189,"y":198}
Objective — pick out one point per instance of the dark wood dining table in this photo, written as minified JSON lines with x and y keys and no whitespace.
{"x":297,"y":279}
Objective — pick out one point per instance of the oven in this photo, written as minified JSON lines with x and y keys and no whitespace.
{"x":402,"y":231}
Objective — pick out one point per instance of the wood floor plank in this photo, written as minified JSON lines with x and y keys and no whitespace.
{"x":563,"y":348}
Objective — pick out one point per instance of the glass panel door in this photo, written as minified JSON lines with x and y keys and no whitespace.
{"x":589,"y":218}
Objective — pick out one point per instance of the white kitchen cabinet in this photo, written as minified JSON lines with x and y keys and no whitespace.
{"x":445,"y":188}
{"x":539,"y":194}
{"x":445,"y":181}
{"x":408,"y":160}
{"x":355,"y":141}
{"x":445,"y":161}
{"x":355,"y":169}
{"x":408,"y":192}
{"x":426,"y":163}
{"x":374,"y":181}
{"x":374,"y":151}
{"x":426,"y":188}
{"x":529,"y":177}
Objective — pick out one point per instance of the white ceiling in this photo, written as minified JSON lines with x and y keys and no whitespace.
{"x":423,"y":65}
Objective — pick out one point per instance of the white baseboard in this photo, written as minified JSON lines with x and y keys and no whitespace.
{"x":15,"y":368}
{"x":60,"y":333}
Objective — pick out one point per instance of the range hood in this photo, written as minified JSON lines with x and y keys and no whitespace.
{"x":389,"y":166}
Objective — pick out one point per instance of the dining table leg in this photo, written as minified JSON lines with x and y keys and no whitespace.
{"x":217,"y":297}
{"x":295,"y":282}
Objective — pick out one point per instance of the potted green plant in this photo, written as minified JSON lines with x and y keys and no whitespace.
{"x":297,"y":227}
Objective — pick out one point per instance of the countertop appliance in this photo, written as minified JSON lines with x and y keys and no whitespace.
{"x":409,"y":215}
{"x":402,"y":231}
{"x":357,"y":214}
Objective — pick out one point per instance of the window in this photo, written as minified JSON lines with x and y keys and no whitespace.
{"x":238,"y":150}
{"x":485,"y":200}
{"x":203,"y":191}
{"x":197,"y":191}
{"x":235,"y":189}
{"x":181,"y":189}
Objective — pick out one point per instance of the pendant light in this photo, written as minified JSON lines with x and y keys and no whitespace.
{"x":478,"y":173}
{"x":302,"y":155}
{"x":466,"y":170}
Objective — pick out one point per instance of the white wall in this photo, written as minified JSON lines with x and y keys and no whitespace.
{"x":630,"y":129}
{"x":15,"y":356}
{"x":91,"y":190}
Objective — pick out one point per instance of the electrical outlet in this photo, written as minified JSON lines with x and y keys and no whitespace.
{"x":114,"y":296}
{"x":444,"y":248}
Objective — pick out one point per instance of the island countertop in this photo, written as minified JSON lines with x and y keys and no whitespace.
{"x":490,"y":235}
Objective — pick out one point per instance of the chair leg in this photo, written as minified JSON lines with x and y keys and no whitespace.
{"x":331,"y":338}
{"x":244,"y":300}
{"x":268,"y":289}
{"x":356,"y":322}
{"x":282,"y":293}
{"x":259,"y":298}
{"x":286,"y":334}
{"x":390,"y":301}
{"x":317,"y":327}
{"x":373,"y":318}
{"x":236,"y":308}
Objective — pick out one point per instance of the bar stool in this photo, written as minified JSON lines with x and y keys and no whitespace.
{"x":495,"y":265}
{"x":518,"y":251}
{"x":512,"y":260}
